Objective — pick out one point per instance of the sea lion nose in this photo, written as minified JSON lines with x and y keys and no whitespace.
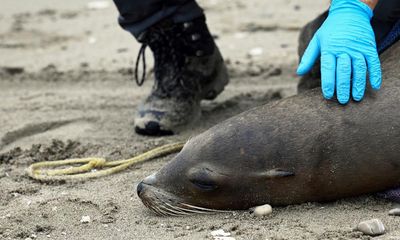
{"x":150,"y":180}
{"x":140,"y":188}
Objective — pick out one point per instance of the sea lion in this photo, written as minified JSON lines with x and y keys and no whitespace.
{"x":296,"y":150}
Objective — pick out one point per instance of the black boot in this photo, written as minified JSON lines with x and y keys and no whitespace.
{"x":188,"y":67}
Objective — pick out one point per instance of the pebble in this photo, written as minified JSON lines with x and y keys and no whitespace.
{"x":373,"y":227}
{"x":395,"y":212}
{"x":92,"y":40}
{"x":257,"y":51}
{"x":85,"y":219}
{"x":220,"y":234}
{"x":262,"y":210}
{"x":96,"y":5}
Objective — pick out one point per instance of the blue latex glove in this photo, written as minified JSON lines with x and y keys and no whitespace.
{"x":346,"y":44}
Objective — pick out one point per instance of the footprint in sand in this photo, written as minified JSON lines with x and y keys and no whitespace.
{"x":44,"y":132}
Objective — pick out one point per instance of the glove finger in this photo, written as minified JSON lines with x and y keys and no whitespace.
{"x":309,"y":57}
{"x":343,"y":74}
{"x":328,"y":74}
{"x":374,"y":69}
{"x":359,"y":76}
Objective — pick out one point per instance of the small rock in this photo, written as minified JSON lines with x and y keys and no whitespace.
{"x":220,"y":234}
{"x":373,"y":227}
{"x":92,"y":40}
{"x":15,"y":194}
{"x":96,"y":5}
{"x":256,"y":51}
{"x":85,"y":219}
{"x":262,"y":210}
{"x":395,"y":212}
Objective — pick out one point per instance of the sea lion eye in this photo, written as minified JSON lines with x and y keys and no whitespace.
{"x":202,"y":180}
{"x":205,"y":185}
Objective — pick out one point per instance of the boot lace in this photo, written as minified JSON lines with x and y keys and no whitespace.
{"x":169,"y":60}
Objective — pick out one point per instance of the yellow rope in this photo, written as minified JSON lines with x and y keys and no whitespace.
{"x":90,"y":166}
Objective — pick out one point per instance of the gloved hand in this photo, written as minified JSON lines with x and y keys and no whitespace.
{"x":346,"y":44}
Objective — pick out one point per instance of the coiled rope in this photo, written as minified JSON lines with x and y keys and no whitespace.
{"x":93,"y":167}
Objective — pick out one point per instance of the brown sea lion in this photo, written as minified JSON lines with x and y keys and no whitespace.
{"x":295,"y":150}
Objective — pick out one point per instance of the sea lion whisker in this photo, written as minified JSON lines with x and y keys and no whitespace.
{"x":175,"y":208}
{"x":167,"y":208}
{"x":202,"y":209}
{"x":169,"y":211}
{"x":172,"y":208}
{"x":153,"y":209}
{"x":188,"y":211}
{"x":146,"y":203}
{"x":194,"y":210}
{"x":158,"y":210}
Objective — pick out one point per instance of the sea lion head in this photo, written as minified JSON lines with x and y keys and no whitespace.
{"x":204,"y":177}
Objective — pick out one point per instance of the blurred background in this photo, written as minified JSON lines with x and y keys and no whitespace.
{"x":36,"y":33}
{"x":66,"y":66}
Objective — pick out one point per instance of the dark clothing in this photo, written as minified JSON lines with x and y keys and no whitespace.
{"x":138,"y":15}
{"x":386,"y":14}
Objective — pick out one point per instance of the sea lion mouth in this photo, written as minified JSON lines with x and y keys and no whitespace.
{"x":166,"y":204}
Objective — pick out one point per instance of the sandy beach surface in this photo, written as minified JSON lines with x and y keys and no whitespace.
{"x":67,"y":91}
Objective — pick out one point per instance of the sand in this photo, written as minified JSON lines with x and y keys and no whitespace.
{"x":66,"y":91}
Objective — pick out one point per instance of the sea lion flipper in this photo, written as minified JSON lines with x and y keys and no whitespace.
{"x":278,"y":173}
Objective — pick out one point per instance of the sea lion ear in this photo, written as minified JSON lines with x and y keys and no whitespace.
{"x":278,"y":173}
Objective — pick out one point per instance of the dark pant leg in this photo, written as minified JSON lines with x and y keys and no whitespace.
{"x":386,"y":14}
{"x":138,"y":15}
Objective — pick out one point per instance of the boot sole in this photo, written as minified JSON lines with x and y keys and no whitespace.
{"x":153,"y":129}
